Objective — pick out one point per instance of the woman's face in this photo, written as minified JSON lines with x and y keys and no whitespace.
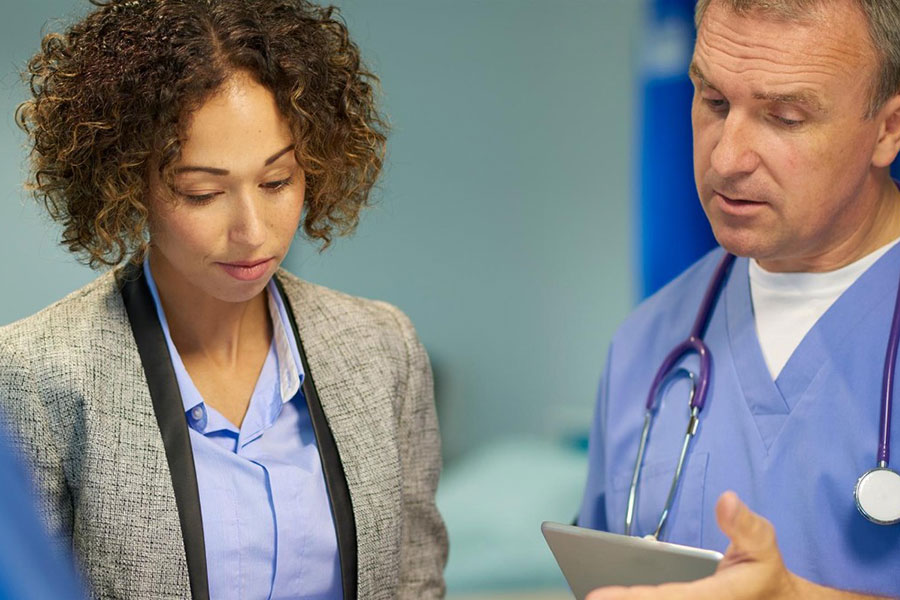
{"x":239,"y":197}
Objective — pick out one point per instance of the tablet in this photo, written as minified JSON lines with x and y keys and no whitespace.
{"x":590,"y":559}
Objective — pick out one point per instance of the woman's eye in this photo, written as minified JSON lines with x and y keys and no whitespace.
{"x":277,"y":185}
{"x":200,"y":199}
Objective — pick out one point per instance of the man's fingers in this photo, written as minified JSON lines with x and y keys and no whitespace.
{"x":751,"y":535}
{"x":614,"y":593}
{"x":625,"y":593}
{"x":708,"y":588}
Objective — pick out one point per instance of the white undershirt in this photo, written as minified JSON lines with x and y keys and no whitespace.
{"x":787,"y":305}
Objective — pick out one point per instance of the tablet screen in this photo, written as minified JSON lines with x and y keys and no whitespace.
{"x":590,"y":559}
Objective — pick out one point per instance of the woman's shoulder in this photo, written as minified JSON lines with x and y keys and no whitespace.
{"x":56,"y":357}
{"x":336,"y":314}
{"x":335,"y":303}
{"x":72,"y":319}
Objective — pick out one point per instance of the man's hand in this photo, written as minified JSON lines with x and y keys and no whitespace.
{"x":751,"y":569}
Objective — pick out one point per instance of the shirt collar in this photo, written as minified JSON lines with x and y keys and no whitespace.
{"x":290,"y":367}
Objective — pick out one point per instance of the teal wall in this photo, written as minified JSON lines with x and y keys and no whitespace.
{"x":502,"y":223}
{"x":34,"y":271}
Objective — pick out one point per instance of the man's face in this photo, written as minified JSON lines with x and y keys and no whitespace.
{"x":782,"y":146}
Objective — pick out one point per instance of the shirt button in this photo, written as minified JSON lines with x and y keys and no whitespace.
{"x":197,"y":412}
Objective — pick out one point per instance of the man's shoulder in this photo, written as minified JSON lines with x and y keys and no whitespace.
{"x":674,"y":304}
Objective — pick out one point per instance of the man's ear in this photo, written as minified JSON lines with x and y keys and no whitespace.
{"x":888,"y":144}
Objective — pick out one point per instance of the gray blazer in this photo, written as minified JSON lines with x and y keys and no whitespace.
{"x":96,"y":425}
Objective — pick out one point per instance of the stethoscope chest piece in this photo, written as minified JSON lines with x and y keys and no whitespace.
{"x":878,"y":495}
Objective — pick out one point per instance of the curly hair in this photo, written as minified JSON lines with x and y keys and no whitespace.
{"x":110,"y":97}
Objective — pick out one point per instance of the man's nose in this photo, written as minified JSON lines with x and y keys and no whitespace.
{"x":735,"y":151}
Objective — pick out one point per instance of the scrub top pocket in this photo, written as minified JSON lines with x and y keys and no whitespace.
{"x":684,"y":524}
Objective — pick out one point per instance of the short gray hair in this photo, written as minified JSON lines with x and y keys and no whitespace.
{"x":882,"y":17}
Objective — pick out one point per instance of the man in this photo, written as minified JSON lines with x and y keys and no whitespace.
{"x":796,"y":119}
{"x":31,"y":566}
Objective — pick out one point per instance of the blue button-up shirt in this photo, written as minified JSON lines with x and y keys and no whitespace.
{"x":267,"y":520}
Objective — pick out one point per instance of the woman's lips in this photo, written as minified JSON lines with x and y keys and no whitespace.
{"x":247,"y":270}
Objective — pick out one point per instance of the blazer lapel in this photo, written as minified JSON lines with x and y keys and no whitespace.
{"x":169,"y":411}
{"x":335,"y":479}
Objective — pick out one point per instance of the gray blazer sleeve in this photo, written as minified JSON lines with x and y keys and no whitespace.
{"x":423,"y":549}
{"x":30,"y":421}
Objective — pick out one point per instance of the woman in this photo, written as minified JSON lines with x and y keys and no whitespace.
{"x":201,"y":422}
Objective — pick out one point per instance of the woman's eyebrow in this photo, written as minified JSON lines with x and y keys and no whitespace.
{"x":192,"y":169}
{"x":220,"y":172}
{"x":278,"y":155}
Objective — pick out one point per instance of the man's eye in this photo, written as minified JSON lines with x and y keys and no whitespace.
{"x":788,"y":122}
{"x":716,"y":104}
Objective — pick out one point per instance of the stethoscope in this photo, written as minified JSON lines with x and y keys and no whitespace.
{"x":877,"y":491}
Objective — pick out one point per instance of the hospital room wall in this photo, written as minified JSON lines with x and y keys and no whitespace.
{"x":502,"y":224}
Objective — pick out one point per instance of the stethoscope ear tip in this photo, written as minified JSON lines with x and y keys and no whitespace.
{"x":877,"y":495}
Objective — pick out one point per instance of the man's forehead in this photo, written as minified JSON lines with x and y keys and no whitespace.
{"x":779,"y":59}
{"x":783,"y":10}
{"x":839,"y":23}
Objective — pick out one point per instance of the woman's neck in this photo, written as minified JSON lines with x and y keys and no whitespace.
{"x":204,"y":326}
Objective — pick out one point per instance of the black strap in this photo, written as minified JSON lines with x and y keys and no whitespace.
{"x":169,"y":409}
{"x":333,"y":468}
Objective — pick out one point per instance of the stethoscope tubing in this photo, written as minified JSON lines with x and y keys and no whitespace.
{"x":694,"y":342}
{"x":699,"y":388}
{"x":887,"y":388}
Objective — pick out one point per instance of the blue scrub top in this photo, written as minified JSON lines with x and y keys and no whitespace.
{"x":792,"y":448}
{"x":32,"y":565}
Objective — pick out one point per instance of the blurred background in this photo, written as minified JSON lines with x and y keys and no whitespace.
{"x":539,"y":164}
